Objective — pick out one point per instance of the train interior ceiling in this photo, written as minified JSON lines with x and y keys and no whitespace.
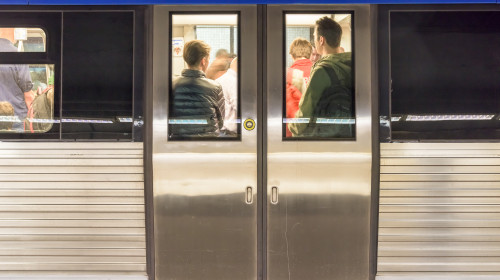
{"x":258,"y":141}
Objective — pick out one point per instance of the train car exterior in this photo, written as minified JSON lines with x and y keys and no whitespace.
{"x":111,"y":169}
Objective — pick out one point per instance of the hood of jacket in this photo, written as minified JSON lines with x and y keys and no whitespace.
{"x":341,"y":64}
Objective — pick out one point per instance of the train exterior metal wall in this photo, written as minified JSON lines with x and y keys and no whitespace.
{"x":180,"y":2}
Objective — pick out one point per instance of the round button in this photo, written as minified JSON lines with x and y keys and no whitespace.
{"x":249,"y":124}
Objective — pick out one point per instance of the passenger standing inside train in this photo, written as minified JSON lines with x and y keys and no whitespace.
{"x":329,"y":92}
{"x":229,"y":83}
{"x":297,"y":76}
{"x":197,"y":103}
{"x":220,"y":65}
{"x":15,"y":81}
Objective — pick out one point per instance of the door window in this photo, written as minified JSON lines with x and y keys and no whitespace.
{"x":204,"y":93}
{"x":319,"y":82}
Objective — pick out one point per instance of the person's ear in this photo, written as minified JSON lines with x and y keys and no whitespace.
{"x":204,"y":62}
{"x":321,"y":40}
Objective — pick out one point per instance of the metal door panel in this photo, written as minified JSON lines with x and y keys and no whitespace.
{"x":319,"y":228}
{"x":204,"y":228}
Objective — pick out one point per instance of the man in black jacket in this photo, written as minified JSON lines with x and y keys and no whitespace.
{"x":196,"y":103}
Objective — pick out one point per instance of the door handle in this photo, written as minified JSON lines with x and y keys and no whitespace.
{"x":274,"y":195}
{"x":249,"y":195}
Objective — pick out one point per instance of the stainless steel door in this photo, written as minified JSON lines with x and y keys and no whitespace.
{"x":318,"y":192}
{"x":205,"y":192}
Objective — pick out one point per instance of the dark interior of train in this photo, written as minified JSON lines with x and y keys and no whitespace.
{"x":444,"y":75}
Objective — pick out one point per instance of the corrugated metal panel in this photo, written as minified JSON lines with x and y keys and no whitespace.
{"x":439,"y":211}
{"x":72,"y":208}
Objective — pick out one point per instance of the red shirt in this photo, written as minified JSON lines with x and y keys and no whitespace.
{"x":293,"y":94}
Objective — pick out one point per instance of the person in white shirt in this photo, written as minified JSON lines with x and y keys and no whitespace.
{"x":229,"y":83}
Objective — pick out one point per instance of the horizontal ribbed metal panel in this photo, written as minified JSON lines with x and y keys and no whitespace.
{"x":72,"y":209}
{"x":439,"y":212}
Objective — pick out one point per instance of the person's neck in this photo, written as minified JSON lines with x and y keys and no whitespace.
{"x":328,"y":50}
{"x":299,"y":58}
{"x":195,"y":68}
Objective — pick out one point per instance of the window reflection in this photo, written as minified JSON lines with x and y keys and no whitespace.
{"x":22,"y":40}
{"x":319,"y":99}
{"x":26,"y":97}
{"x":204,"y":92}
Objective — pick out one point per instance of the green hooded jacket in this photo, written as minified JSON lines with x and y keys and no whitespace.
{"x":319,"y":82}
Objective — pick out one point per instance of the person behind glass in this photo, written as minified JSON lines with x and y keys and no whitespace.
{"x":15,"y":80}
{"x":315,"y":56}
{"x":6,"y":116}
{"x":220,"y":65}
{"x":229,"y":83}
{"x":329,"y":92}
{"x":297,"y":76}
{"x":197,"y":103}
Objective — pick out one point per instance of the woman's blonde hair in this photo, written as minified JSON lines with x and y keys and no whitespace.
{"x":300,"y":47}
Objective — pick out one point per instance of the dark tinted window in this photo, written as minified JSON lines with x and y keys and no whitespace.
{"x":445,"y":71}
{"x":98,"y":75}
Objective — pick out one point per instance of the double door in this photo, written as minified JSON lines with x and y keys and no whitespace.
{"x":255,"y":199}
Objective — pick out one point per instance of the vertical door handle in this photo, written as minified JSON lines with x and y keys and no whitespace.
{"x":249,"y":195}
{"x":274,"y":195}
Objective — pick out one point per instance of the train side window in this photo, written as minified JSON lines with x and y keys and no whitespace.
{"x":318,"y":85}
{"x":27,"y":84}
{"x":444,"y":71}
{"x":98,"y":76}
{"x":26,"y":98}
{"x":22,"y":39}
{"x":204,"y":93}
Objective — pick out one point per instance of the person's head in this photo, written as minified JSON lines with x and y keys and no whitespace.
{"x":327,"y":35}
{"x":234,"y":65}
{"x":315,"y":56}
{"x":197,"y":55}
{"x":222,"y":53}
{"x":6,"y":110}
{"x":300,"y":49}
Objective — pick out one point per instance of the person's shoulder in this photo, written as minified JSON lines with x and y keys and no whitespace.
{"x":213,"y":85}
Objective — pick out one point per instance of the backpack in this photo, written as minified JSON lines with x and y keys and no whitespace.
{"x":40,"y":114}
{"x":334,"y":113}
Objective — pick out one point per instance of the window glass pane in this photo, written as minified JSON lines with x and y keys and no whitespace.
{"x":445,"y":75}
{"x":319,"y":88}
{"x":204,"y":95}
{"x":26,"y":98}
{"x":98,"y":76}
{"x":22,"y":39}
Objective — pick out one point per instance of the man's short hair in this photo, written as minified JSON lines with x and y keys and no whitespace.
{"x":300,"y":47}
{"x":195,"y":51}
{"x":330,"y":30}
{"x":6,"y":110}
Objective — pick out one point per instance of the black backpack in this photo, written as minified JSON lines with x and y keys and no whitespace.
{"x":334,"y":114}
{"x":40,"y":113}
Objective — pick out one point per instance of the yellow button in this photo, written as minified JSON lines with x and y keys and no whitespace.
{"x":249,"y":124}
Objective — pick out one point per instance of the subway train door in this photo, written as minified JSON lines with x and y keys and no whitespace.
{"x":205,"y":168}
{"x":318,"y":160}
{"x":255,"y":195}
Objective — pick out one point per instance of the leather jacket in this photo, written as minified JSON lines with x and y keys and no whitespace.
{"x":196,"y":106}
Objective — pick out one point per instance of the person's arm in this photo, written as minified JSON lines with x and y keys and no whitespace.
{"x":23,"y":80}
{"x":317,"y":84}
{"x":293,"y":96}
{"x":220,"y":106}
{"x":28,"y":98}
